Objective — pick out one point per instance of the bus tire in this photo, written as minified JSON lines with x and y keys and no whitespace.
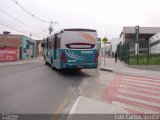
{"x":46,"y":62}
{"x":78,"y":69}
{"x":52,"y":65}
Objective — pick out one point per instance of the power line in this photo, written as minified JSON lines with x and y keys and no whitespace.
{"x":18,"y":20}
{"x":16,"y":29}
{"x":9,"y":24}
{"x":20,"y":27}
{"x":28,"y":12}
{"x":6,"y":22}
{"x":32,"y":15}
{"x":13,"y":28}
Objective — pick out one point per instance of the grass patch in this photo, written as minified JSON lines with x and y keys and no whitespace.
{"x":144,"y":59}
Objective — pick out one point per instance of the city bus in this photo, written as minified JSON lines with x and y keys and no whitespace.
{"x":72,"y":49}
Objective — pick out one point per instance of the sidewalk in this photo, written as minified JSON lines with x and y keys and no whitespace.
{"x":32,"y":60}
{"x":123,"y":68}
{"x":133,"y":89}
{"x":118,"y":87}
{"x":89,"y":99}
{"x":90,"y":109}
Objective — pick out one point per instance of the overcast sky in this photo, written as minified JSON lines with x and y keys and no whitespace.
{"x":106,"y":16}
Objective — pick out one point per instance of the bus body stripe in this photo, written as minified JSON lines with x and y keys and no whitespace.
{"x":88,"y":36}
{"x":72,"y":56}
{"x":88,"y":39}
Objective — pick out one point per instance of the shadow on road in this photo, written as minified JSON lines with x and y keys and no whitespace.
{"x":73,"y":73}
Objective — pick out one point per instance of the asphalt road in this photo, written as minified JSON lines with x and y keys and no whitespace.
{"x":35,"y":88}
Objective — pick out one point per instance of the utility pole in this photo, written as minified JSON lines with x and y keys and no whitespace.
{"x":50,"y":28}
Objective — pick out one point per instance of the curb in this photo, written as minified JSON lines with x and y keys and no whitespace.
{"x":19,"y":63}
{"x":75,"y":105}
{"x":108,"y":70}
{"x":129,"y":73}
{"x":89,"y":106}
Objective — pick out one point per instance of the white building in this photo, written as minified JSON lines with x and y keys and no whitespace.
{"x":105,"y":48}
{"x":128,"y":34}
{"x":115,"y":42}
{"x":155,"y":43}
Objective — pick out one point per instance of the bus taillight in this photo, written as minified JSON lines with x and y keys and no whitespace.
{"x":96,"y":57}
{"x":64,"y":57}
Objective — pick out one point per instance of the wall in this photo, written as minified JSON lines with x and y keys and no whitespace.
{"x":155,"y":43}
{"x":8,"y":54}
{"x":10,"y":40}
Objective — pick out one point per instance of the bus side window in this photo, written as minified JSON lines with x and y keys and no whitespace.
{"x":55,"y":42}
{"x":53,"y":39}
{"x":58,"y":41}
{"x":47,"y":43}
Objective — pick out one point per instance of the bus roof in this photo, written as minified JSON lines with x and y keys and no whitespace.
{"x":70,"y":29}
{"x":78,"y":29}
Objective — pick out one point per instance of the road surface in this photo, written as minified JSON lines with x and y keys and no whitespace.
{"x":35,"y":88}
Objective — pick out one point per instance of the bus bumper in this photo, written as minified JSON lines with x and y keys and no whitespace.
{"x":80,"y":66}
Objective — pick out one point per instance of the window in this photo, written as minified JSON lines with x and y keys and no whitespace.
{"x":80,"y":46}
{"x":57,"y":41}
{"x":25,"y":50}
{"x":53,"y":40}
{"x":46,"y":43}
{"x":49,"y":42}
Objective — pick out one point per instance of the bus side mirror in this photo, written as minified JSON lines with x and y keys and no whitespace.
{"x":43,"y":45}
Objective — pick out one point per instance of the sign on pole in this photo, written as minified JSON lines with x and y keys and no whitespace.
{"x":137,"y":41}
{"x":105,"y":40}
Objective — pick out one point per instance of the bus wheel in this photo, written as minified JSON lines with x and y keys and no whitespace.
{"x":52,"y":65}
{"x":78,"y":69}
{"x":46,"y":62}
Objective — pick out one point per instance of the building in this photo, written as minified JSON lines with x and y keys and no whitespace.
{"x":155,"y":43}
{"x":106,"y":49}
{"x":39,"y":48}
{"x":128,"y":34}
{"x":115,"y":42}
{"x":16,"y":47}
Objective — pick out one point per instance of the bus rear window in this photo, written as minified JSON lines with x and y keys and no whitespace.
{"x":80,"y":46}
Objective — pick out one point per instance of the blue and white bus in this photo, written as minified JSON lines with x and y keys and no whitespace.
{"x":72,"y":49}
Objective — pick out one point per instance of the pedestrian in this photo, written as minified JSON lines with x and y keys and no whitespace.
{"x":116,"y":55}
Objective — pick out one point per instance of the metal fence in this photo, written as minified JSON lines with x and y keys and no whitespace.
{"x":144,"y":54}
